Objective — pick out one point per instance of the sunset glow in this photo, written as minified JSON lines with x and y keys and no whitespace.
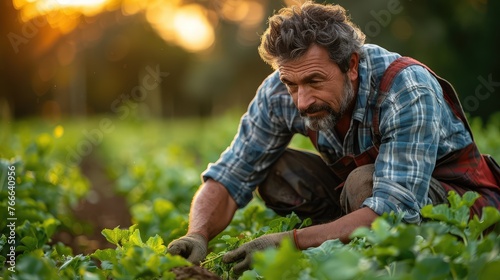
{"x":193,"y":31}
{"x":62,"y":15}
{"x":186,"y":26}
{"x":30,"y":9}
{"x":190,"y":26}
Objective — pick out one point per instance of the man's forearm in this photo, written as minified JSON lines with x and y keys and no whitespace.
{"x":212,"y":210}
{"x":340,"y":228}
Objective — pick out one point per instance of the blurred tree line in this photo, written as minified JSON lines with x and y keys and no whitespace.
{"x":174,"y":58}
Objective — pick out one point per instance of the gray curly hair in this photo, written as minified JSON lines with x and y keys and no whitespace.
{"x":294,"y":29}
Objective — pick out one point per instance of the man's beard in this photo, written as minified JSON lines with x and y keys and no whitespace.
{"x":330,"y":120}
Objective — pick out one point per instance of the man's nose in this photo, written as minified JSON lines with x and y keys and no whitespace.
{"x":304,"y":98}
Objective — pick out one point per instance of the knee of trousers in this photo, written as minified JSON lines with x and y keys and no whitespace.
{"x":357,"y":187}
{"x":301,"y":182}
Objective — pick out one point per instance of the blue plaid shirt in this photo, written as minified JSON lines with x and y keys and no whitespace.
{"x":416,"y":125}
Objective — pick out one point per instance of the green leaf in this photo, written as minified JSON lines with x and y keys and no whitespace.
{"x":3,"y":241}
{"x":448,"y":245}
{"x":135,"y":238}
{"x":50,"y":225}
{"x":75,"y":265}
{"x":431,"y":267}
{"x":341,"y":264}
{"x":405,"y":237}
{"x":59,"y":250}
{"x":108,"y":255}
{"x":35,"y":266}
{"x":491,"y":270}
{"x":439,"y":212}
{"x":229,"y":240}
{"x":282,"y":263}
{"x":324,"y":250}
{"x":170,"y":262}
{"x":379,"y":231}
{"x":454,"y":199}
{"x":153,"y":264}
{"x":116,"y":236}
{"x":381,"y":228}
{"x":389,"y":251}
{"x":490,"y":244}
{"x":106,"y":265}
{"x":156,"y":243}
{"x":163,"y":207}
{"x":362,"y":232}
{"x":250,"y":275}
{"x":30,"y":242}
{"x":469,"y":198}
{"x":490,"y":216}
{"x":92,"y":276}
{"x":457,"y":214}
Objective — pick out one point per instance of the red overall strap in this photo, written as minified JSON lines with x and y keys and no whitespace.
{"x":343,"y":166}
{"x":462,"y":170}
{"x":392,"y":71}
{"x":313,"y":136}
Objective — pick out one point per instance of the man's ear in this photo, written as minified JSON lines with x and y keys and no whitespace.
{"x":353,"y":67}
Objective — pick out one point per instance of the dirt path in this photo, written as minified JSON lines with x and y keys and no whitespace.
{"x":105,"y":209}
{"x":101,"y":209}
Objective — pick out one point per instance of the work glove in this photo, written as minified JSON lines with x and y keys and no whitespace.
{"x":243,"y":254}
{"x":192,"y":246}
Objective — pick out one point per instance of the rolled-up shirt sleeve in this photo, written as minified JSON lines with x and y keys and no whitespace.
{"x":409,"y":125}
{"x":262,"y":136}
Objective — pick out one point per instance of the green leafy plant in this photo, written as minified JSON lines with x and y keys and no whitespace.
{"x":446,"y":246}
{"x":158,"y":176}
{"x":45,"y":189}
{"x":135,"y":259}
{"x":214,"y":262}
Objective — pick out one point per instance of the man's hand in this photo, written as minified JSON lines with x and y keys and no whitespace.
{"x":192,"y":246}
{"x":244,"y":252}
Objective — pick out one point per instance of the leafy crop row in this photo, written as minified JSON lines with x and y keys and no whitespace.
{"x":159,"y":174}
{"x":446,"y":246}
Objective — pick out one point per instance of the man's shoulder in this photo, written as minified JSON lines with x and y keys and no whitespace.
{"x":376,"y":49}
{"x":378,"y":58}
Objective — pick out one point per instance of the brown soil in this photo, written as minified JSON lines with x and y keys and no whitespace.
{"x":105,"y":209}
{"x":101,"y":209}
{"x":194,"y":273}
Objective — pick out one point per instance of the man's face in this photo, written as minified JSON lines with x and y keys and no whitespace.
{"x":321,"y":92}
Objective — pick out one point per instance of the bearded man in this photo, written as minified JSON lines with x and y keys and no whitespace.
{"x":390,"y":134}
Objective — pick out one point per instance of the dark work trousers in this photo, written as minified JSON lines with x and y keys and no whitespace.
{"x":301,"y":182}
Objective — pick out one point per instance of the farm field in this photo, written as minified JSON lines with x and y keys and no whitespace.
{"x":101,"y":198}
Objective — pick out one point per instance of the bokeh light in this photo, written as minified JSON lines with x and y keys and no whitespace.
{"x":188,"y":25}
{"x":63,"y":15}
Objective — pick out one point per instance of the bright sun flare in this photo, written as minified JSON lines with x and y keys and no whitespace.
{"x":184,"y":25}
{"x":81,"y":3}
{"x":193,"y":31}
